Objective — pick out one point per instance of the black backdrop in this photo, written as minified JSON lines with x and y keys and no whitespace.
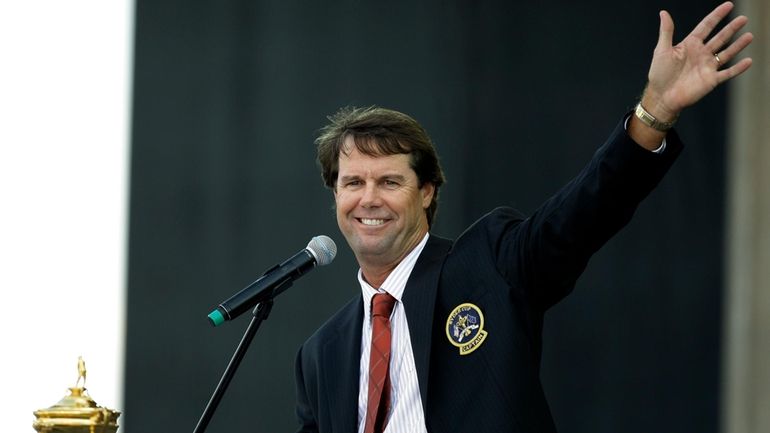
{"x":516,"y":95}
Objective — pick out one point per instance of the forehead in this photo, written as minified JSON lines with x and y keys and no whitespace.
{"x":354,"y":162}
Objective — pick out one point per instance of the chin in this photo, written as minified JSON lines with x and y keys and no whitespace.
{"x":370,"y":247}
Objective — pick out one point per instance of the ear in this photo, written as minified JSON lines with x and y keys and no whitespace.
{"x":427,"y":189}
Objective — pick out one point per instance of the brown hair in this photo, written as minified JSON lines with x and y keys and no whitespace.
{"x":378,"y":131}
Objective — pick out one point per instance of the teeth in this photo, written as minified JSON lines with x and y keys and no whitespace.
{"x":372,"y":222}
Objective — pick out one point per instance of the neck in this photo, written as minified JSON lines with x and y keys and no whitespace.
{"x":375,"y":277}
{"x":375,"y":272}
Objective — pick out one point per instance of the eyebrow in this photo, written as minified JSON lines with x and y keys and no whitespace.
{"x":394,"y":176}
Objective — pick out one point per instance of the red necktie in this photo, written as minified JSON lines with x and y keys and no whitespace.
{"x":379,"y":359}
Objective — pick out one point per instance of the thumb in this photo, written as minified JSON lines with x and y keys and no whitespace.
{"x":666,"y":34}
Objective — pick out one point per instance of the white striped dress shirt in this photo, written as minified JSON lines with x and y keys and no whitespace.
{"x":406,"y":414}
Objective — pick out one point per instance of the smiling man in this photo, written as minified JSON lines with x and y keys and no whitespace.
{"x":446,"y":335}
{"x":381,"y":204}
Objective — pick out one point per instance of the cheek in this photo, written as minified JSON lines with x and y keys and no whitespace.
{"x":343,"y":203}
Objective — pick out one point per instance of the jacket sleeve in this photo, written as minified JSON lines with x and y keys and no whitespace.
{"x":545,"y":253}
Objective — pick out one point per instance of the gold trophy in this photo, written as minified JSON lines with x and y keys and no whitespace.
{"x":77,"y":412}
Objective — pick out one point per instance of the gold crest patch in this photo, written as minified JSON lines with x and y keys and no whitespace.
{"x":465,"y":328}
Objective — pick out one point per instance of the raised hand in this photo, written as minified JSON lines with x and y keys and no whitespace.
{"x":680,"y":75}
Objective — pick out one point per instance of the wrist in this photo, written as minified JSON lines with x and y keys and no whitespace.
{"x":648,"y":119}
{"x":655,"y":106}
{"x":643,"y":134}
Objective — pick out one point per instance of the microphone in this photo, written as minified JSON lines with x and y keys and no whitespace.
{"x":320,"y":251}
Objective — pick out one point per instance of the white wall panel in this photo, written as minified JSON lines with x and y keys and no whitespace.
{"x":64,"y":134}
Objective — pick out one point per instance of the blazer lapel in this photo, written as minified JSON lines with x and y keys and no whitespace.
{"x":342,"y":356}
{"x":419,"y":304}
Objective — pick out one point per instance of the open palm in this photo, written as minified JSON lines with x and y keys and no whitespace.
{"x":680,"y":75}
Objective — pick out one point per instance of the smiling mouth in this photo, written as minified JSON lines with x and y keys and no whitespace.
{"x":371,"y":221}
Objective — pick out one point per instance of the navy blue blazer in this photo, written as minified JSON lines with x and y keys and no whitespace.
{"x":512,"y":269}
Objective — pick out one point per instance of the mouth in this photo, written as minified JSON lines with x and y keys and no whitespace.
{"x":371,"y":222}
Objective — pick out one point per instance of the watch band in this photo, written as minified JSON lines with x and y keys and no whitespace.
{"x":650,"y":120}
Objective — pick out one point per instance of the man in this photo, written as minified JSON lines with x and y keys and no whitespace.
{"x":446,"y":335}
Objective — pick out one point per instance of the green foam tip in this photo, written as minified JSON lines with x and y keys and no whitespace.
{"x":216,"y":318}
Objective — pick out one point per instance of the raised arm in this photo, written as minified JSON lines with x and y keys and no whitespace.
{"x":680,"y":75}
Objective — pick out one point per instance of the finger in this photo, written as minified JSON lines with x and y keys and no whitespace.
{"x":708,"y":24}
{"x":735,"y":48}
{"x":734,"y":70}
{"x":666,"y":33}
{"x":727,"y":33}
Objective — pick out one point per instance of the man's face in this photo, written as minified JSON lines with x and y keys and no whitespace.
{"x":380,"y":205}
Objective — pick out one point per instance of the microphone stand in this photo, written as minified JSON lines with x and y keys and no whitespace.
{"x":260,"y":313}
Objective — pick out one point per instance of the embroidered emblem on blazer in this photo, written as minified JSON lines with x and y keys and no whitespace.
{"x":465,"y":328}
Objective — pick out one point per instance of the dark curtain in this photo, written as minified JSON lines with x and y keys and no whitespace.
{"x":228,"y":96}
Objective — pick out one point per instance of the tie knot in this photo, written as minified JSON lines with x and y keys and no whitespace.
{"x":382,"y":305}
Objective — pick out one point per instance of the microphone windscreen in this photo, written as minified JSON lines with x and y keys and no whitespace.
{"x":323,"y":249}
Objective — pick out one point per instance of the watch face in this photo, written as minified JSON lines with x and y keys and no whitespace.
{"x":650,"y":120}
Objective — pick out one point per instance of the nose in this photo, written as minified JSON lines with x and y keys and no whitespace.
{"x":371,"y":196}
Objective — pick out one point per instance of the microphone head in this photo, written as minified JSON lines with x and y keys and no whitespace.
{"x":323,"y":249}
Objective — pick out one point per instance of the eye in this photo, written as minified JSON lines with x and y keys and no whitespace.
{"x":390,"y":183}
